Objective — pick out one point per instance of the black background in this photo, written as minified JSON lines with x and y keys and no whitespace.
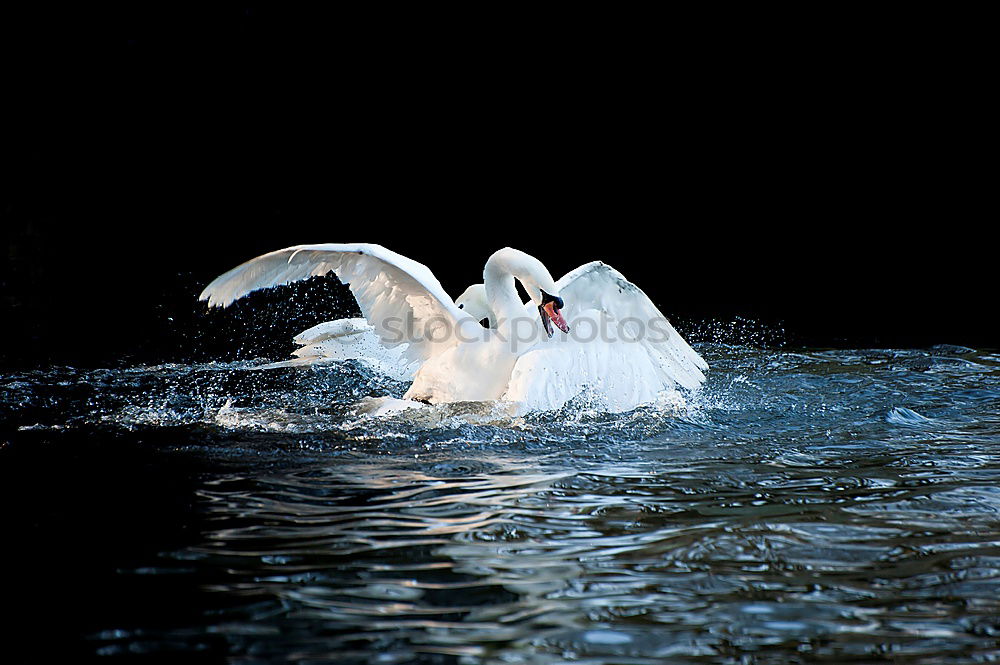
{"x":826,"y":179}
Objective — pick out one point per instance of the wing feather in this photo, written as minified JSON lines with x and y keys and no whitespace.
{"x":598,"y":286}
{"x":399,"y":297}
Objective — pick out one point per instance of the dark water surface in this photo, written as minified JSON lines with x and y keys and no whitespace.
{"x":806,"y":506}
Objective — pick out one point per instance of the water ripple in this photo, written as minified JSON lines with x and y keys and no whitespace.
{"x":806,"y":506}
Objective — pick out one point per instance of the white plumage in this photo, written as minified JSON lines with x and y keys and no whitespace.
{"x":389,"y":288}
{"x":348,"y":339}
{"x":630,"y":356}
{"x":355,"y":339}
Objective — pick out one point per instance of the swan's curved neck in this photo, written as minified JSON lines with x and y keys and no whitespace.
{"x":501,"y":293}
{"x":502,"y":268}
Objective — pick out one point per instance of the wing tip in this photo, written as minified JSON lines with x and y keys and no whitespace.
{"x":213,"y":298}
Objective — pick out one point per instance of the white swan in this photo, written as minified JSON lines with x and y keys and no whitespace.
{"x":623,"y":352}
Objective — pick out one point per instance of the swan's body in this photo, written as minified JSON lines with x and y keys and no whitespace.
{"x":516,"y":359}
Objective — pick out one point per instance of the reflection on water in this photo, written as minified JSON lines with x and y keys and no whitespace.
{"x":806,"y":507}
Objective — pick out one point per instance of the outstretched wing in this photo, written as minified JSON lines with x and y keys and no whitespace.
{"x":621,"y":351}
{"x":399,"y":297}
{"x":597,"y":286}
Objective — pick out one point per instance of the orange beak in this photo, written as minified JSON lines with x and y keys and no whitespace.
{"x":550,"y":313}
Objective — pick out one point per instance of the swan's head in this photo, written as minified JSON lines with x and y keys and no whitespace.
{"x":549,"y":310}
{"x":535,"y":279}
{"x":473,"y":301}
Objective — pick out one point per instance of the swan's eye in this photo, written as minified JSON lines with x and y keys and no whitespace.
{"x":462,"y":306}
